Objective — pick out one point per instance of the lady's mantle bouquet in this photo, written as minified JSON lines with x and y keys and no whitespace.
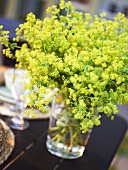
{"x":84,"y":57}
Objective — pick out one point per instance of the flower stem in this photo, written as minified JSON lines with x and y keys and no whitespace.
{"x":71,"y":137}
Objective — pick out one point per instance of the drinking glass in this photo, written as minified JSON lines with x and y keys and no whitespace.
{"x":17,"y":121}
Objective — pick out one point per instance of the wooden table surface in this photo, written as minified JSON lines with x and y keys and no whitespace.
{"x":30,"y":152}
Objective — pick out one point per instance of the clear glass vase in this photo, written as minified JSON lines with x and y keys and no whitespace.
{"x":64,"y":137}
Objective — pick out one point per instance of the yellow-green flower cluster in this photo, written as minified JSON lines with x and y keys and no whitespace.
{"x":4,"y":36}
{"x":85,"y":57}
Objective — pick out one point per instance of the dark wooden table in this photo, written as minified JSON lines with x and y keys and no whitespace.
{"x":30,"y":152}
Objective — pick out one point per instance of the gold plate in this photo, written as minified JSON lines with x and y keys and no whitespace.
{"x":9,"y":143}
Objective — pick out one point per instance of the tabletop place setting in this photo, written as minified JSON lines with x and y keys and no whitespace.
{"x":9,"y":99}
{"x":13,"y":107}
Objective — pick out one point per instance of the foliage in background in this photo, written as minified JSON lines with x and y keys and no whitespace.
{"x":123,"y":149}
